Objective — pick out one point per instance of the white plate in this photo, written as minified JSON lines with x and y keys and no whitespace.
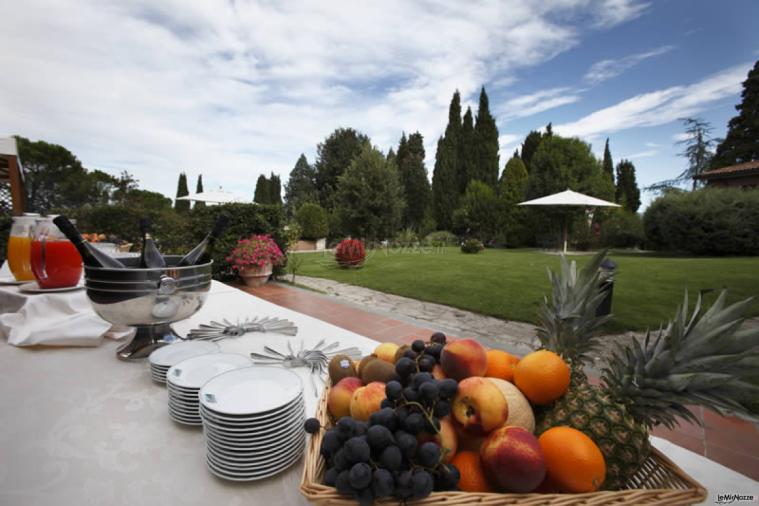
{"x":184,"y":416}
{"x":185,"y":409}
{"x":195,"y":372}
{"x":248,"y":426}
{"x":250,"y":439}
{"x":252,"y":390}
{"x":232,"y":476}
{"x":256,"y":456}
{"x":33,"y":287}
{"x":256,"y":417}
{"x":247,"y":448}
{"x":185,"y":421}
{"x":244,"y":467}
{"x":11,"y":281}
{"x":189,"y":399}
{"x":166,"y":356}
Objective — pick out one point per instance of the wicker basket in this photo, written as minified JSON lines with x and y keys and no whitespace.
{"x":659,"y":482}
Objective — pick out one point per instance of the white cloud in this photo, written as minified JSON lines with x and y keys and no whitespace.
{"x":642,"y":154}
{"x":235,"y":89}
{"x":679,"y":137}
{"x":533,"y":103}
{"x":653,"y":145}
{"x":607,"y":69}
{"x":658,"y":107}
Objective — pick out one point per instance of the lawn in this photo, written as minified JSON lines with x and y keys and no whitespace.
{"x":509,"y":284}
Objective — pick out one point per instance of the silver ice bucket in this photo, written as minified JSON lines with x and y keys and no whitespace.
{"x":147,"y":299}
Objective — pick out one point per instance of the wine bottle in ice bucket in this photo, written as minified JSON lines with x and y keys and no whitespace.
{"x":91,"y":256}
{"x":150,"y":256}
{"x":201,"y":253}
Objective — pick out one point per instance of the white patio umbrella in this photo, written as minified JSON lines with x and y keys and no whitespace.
{"x":213,"y":197}
{"x":568,"y":198}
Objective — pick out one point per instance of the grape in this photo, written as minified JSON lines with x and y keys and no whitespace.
{"x":361,"y":428}
{"x":393,"y":390}
{"x":340,"y":460}
{"x":427,"y":363}
{"x":410,"y":394}
{"x":429,"y":391}
{"x":438,"y":337}
{"x":448,"y":388}
{"x":404,"y":485}
{"x":383,"y":483}
{"x":342,"y":483}
{"x":360,"y":476}
{"x":365,"y":497}
{"x":420,"y":378}
{"x":386,"y":403}
{"x":401,"y":412}
{"x":330,"y":443}
{"x":330,"y":476}
{"x":379,"y":437}
{"x":442,"y":409}
{"x":405,"y":367}
{"x":406,"y":442}
{"x":432,"y":427}
{"x":428,"y":454}
{"x":422,"y":484}
{"x":414,"y":423}
{"x":312,"y":425}
{"x":447,"y":477}
{"x":434,"y":350}
{"x":418,"y":346}
{"x":346,"y":426}
{"x":357,"y":450}
{"x":410,"y":354}
{"x":388,"y":418}
{"x":391,"y":458}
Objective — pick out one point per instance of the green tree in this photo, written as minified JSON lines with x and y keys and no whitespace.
{"x":628,"y":193}
{"x":199,"y":189}
{"x":275,"y":189}
{"x":481,"y":208}
{"x":369,"y":196}
{"x":147,"y":201}
{"x":608,"y":164}
{"x":413,"y":177}
{"x":486,"y":142}
{"x":333,"y":157}
{"x":182,"y":206}
{"x":261,"y":194}
{"x":529,"y":146}
{"x":312,"y":219}
{"x":741,"y":144}
{"x":698,"y":150}
{"x":445,"y":182}
{"x":561,"y":163}
{"x":467,"y":152}
{"x":301,"y":186}
{"x":512,"y":188}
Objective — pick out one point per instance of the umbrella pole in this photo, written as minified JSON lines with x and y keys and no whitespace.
{"x":565,"y":237}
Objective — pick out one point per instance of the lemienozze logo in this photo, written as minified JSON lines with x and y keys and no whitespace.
{"x":733,"y":498}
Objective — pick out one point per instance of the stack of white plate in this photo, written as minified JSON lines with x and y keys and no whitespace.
{"x":185,"y":379}
{"x":253,"y":422}
{"x":163,"y":358}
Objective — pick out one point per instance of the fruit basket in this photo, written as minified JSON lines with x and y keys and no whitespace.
{"x":659,"y":481}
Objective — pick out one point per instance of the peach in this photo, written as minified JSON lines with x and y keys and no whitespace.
{"x":463,"y":358}
{"x":340,"y":395}
{"x":479,"y":406}
{"x":386,"y":352}
{"x":446,"y":439}
{"x":366,"y":400}
{"x":437,"y":372}
{"x":513,"y":460}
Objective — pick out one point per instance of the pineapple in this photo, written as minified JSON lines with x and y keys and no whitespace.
{"x":702,"y":359}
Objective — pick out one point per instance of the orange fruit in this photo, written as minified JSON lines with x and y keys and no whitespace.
{"x":501,"y":364}
{"x":542,"y":376}
{"x":472,"y":475}
{"x":573,"y":461}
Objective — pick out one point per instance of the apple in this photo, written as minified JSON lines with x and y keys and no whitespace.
{"x":463,"y":358}
{"x":513,"y":460}
{"x":479,"y":406}
{"x":340,"y":395}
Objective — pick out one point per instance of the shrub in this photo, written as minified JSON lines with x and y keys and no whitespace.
{"x":312,"y":219}
{"x":350,"y":253}
{"x":710,"y":221}
{"x":406,"y":238}
{"x":472,"y":246}
{"x":441,"y":238}
{"x":623,"y":229}
{"x":255,"y":251}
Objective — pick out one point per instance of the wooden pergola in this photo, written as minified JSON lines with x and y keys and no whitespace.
{"x":12,"y":194}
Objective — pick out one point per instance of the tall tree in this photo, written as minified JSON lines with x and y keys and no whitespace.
{"x":486,"y":140}
{"x":512,"y":189}
{"x":369,"y":196}
{"x":698,"y":144}
{"x":529,"y":146}
{"x":413,"y":177}
{"x":628,"y":193}
{"x":741,"y":144}
{"x":261,"y":195}
{"x":275,"y":189}
{"x":333,"y":157}
{"x":182,"y":206}
{"x":445,"y":183}
{"x":199,"y":189}
{"x":467,"y":152}
{"x":608,"y":164}
{"x":480,"y":210}
{"x":301,"y":186}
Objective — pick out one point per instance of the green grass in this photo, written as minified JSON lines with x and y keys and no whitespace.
{"x":509,"y":284}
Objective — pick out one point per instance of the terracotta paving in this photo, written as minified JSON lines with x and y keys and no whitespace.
{"x":731,"y":441}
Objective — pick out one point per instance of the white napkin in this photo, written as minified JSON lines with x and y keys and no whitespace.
{"x":53,"y":319}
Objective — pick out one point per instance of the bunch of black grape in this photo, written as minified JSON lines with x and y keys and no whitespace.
{"x":421,"y":357}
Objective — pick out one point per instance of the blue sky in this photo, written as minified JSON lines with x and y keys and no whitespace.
{"x":233,"y":89}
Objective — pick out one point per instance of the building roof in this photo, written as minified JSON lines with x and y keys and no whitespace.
{"x":740,"y":170}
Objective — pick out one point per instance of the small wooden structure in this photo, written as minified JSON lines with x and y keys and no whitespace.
{"x":742,"y":175}
{"x":12,"y":194}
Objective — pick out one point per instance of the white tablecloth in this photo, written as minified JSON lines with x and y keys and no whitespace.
{"x":78,"y":427}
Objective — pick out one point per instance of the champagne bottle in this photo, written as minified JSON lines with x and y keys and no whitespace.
{"x":150,"y":256}
{"x":201,"y":253}
{"x":91,"y":256}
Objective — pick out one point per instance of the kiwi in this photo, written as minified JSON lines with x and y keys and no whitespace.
{"x":363,"y":362}
{"x":399,"y":353}
{"x":378,"y":370}
{"x":341,"y":366}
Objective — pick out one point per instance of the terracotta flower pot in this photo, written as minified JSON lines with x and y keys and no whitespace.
{"x":256,"y":276}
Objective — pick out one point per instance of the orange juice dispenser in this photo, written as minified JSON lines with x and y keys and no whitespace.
{"x":19,"y":247}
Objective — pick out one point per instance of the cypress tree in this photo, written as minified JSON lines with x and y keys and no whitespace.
{"x":512,"y":189}
{"x":467,"y":152}
{"x":628,"y":193}
{"x":199,"y":189}
{"x":608,"y":164}
{"x":486,"y":141}
{"x":413,"y":177}
{"x":261,"y":196}
{"x":333,"y":157}
{"x":741,"y":144}
{"x":530,"y":146}
{"x":182,"y":206}
{"x":445,"y":184}
{"x":300,"y":187}
{"x":275,"y":189}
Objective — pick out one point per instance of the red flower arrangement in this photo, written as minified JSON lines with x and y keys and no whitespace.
{"x":255,"y":251}
{"x":350,"y":253}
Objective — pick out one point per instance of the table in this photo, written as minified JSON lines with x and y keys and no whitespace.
{"x":79,"y":427}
